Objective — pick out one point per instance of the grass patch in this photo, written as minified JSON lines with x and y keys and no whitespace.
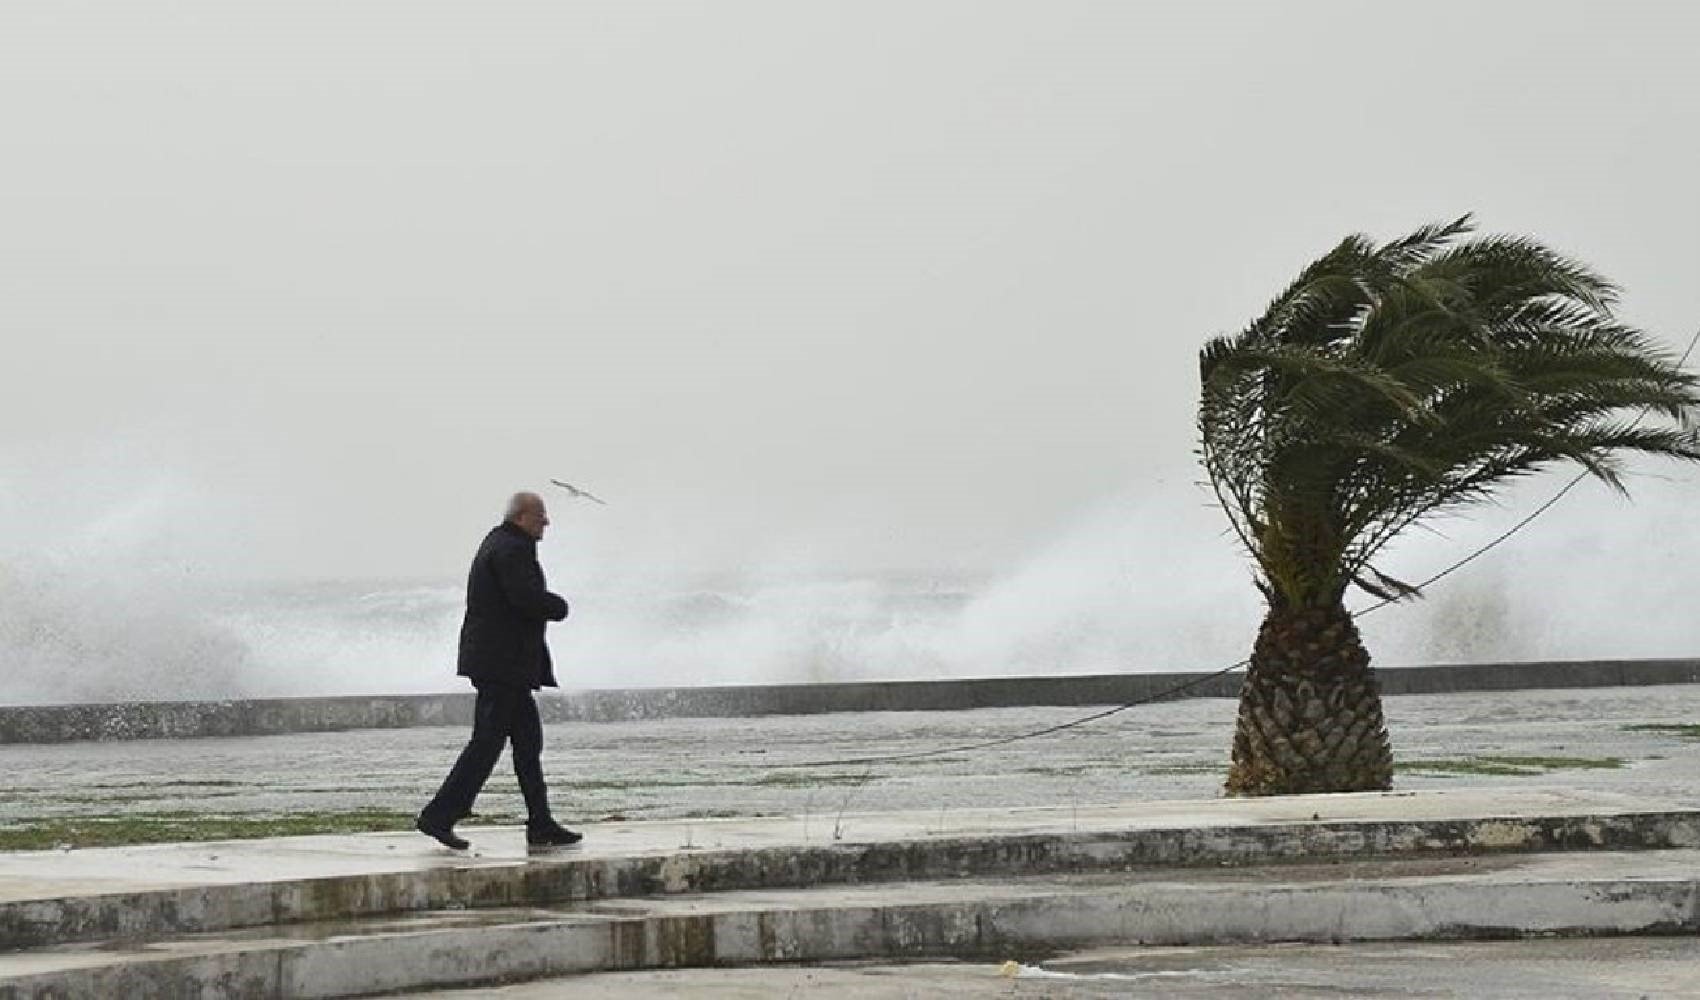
{"x":114,"y":799}
{"x":809,"y":779}
{"x":1687,"y":731}
{"x":1512,"y":766}
{"x":421,"y":789}
{"x":638,"y":784}
{"x":1463,"y":767}
{"x":1062,"y":770}
{"x":180,"y":783}
{"x":181,"y":826}
{"x":772,"y":779}
{"x":1566,"y":763}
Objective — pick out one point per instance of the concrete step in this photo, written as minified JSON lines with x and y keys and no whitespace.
{"x":145,"y":892}
{"x":1605,"y":893}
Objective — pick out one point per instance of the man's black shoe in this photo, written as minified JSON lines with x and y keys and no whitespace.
{"x":553,"y":835}
{"x":442,"y":833}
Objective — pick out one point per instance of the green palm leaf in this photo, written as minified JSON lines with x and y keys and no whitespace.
{"x":1392,"y":382}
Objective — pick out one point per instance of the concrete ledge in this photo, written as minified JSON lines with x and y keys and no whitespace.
{"x":371,"y":875}
{"x":1609,"y":895}
{"x":156,"y":720}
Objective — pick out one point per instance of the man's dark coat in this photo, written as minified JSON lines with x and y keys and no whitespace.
{"x":508,"y":605}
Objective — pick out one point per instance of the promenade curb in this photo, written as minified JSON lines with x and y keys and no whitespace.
{"x":44,"y":915}
{"x":1021,"y":919}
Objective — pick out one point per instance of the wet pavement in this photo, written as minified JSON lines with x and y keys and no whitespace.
{"x":1491,"y":815}
{"x":1635,"y":968}
{"x":697,"y":768}
{"x":381,"y":913}
{"x":709,"y":778}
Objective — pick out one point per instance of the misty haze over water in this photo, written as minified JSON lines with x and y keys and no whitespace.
{"x":1145,"y":583}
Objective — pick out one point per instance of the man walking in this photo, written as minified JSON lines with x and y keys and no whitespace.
{"x":503,"y":653}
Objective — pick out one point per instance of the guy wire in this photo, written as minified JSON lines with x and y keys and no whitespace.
{"x":1196,"y":681}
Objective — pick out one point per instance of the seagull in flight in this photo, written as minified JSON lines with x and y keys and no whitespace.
{"x":578,"y":493}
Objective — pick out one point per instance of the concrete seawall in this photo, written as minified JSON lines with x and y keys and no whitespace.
{"x":156,"y":720}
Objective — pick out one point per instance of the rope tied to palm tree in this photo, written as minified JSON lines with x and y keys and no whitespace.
{"x":1386,"y":384}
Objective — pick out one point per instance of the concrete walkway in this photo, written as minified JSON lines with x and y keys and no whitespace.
{"x":39,"y":875}
{"x":1628,"y":740}
{"x":336,"y":916}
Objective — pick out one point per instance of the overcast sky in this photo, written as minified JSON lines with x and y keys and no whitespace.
{"x":305,"y":288}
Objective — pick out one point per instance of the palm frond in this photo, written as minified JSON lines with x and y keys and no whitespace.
{"x":1389,"y":383}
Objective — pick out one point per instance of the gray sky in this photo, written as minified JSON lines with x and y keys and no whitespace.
{"x":305,"y":288}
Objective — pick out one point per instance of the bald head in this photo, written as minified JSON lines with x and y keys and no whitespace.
{"x":527,"y":513}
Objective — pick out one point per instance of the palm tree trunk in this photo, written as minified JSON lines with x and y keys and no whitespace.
{"x":1310,"y":710}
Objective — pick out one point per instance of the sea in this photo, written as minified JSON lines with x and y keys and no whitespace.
{"x":69,"y":641}
{"x":1596,"y":578}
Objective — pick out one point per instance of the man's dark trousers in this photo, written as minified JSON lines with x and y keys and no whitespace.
{"x":501,"y":714}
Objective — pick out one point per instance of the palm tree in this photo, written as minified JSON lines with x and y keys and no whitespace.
{"x":1389,"y":383}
